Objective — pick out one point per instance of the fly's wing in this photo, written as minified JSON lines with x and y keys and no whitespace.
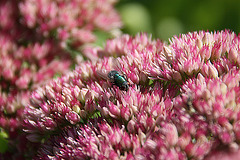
{"x":113,"y":64}
{"x":117,"y":65}
{"x":103,"y":74}
{"x":105,"y":82}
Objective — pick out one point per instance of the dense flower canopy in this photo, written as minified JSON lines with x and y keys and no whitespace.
{"x":182,"y":102}
{"x":163,"y":100}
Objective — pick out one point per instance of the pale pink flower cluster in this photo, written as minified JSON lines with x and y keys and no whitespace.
{"x":211,"y":54}
{"x":22,"y":70}
{"x":207,"y":114}
{"x":73,"y":20}
{"x":32,"y":34}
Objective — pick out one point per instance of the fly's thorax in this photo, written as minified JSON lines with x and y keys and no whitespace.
{"x":112,"y":74}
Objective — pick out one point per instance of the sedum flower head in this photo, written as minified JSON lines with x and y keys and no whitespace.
{"x":182,"y":101}
{"x":211,"y":54}
{"x":98,"y":141}
{"x":207,"y":111}
{"x":70,"y":20}
{"x":32,"y":34}
{"x":22,"y":70}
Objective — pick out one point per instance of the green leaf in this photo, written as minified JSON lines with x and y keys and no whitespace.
{"x":3,"y":142}
{"x":150,"y":82}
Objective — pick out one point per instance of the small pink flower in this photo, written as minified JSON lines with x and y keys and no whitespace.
{"x":7,"y":15}
{"x":73,"y":117}
{"x":171,"y":134}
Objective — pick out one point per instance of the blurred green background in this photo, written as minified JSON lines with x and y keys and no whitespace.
{"x":165,"y":18}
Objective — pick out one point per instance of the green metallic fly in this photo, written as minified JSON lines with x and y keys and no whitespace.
{"x":115,"y":76}
{"x":119,"y":80}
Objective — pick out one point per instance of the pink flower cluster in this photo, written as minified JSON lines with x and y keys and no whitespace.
{"x":182,"y":103}
{"x":73,"y":20}
{"x":33,"y":45}
{"x":207,"y":114}
{"x":211,"y":54}
{"x":24,"y":68}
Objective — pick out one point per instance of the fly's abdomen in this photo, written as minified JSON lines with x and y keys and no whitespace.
{"x":119,"y":80}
